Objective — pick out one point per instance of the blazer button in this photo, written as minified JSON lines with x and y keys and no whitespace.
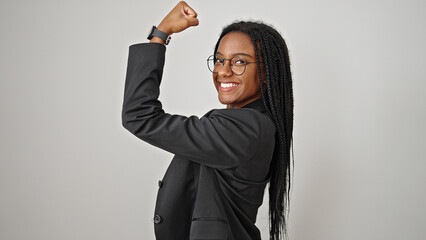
{"x":157,"y":219}
{"x":160,"y":183}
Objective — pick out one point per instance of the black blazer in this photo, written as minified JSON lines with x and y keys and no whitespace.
{"x":216,"y":180}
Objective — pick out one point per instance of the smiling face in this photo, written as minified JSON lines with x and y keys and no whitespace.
{"x":233,"y":90}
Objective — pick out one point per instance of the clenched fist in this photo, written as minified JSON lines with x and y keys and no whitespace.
{"x":180,"y":18}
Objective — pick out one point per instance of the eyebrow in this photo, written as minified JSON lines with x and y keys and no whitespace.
{"x":235,"y":54}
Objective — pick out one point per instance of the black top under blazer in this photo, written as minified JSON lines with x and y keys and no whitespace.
{"x":216,"y":180}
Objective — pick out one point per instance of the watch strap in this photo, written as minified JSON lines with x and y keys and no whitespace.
{"x":160,"y":34}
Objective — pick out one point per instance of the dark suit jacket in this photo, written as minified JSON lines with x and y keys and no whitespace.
{"x":216,"y":180}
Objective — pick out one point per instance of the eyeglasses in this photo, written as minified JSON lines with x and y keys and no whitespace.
{"x":237,"y":64}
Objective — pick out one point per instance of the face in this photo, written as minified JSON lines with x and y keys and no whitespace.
{"x":233,"y":90}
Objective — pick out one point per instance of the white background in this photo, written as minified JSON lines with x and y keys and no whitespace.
{"x":69,"y":170}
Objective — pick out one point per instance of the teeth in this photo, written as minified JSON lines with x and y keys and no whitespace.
{"x":227,"y":85}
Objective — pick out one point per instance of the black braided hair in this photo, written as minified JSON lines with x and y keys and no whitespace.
{"x":270,"y":46}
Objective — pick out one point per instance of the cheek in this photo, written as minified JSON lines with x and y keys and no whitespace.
{"x":253,"y":81}
{"x":215,"y":82}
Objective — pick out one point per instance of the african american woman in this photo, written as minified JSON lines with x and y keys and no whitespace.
{"x":223,"y":161}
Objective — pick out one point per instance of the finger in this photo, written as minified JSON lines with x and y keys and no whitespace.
{"x":193,"y":21}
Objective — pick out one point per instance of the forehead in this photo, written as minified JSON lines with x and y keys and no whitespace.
{"x":235,"y":43}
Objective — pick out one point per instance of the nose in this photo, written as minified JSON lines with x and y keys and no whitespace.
{"x":225,"y":70}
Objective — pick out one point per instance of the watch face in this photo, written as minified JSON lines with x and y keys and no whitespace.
{"x":150,"y":33}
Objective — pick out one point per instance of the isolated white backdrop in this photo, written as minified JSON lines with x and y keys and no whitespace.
{"x":69,"y":170}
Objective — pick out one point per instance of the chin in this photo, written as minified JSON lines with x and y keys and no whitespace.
{"x":224,"y":100}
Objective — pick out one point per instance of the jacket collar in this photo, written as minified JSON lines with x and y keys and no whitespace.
{"x":257,"y":105}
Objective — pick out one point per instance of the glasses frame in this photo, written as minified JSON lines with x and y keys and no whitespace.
{"x":213,"y":57}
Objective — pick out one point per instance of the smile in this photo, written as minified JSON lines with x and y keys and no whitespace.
{"x":227,"y":86}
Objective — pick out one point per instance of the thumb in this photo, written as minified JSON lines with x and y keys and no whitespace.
{"x":188,"y":11}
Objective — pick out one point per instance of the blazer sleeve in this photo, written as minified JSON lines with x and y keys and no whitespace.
{"x":221,"y":139}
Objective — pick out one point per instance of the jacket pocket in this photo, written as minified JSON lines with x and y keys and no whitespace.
{"x":209,"y":228}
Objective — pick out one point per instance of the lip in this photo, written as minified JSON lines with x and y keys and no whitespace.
{"x":227,"y":89}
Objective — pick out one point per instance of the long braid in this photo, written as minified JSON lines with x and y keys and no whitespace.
{"x":279,"y":175}
{"x":271,"y":49}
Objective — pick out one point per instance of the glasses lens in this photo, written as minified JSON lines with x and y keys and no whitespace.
{"x":211,"y":63}
{"x":238,"y":65}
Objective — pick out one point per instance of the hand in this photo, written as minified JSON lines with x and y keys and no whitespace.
{"x":180,"y":18}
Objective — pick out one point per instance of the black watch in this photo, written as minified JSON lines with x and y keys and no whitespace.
{"x":160,"y":34}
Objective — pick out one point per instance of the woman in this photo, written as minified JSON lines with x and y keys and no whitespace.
{"x":223,"y":161}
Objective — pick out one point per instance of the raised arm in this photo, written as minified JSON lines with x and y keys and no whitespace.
{"x":180,"y":18}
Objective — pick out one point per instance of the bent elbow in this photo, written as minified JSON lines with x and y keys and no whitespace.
{"x":125,"y":123}
{"x":128,"y":123}
{"x":140,"y":127}
{"x":124,"y":119}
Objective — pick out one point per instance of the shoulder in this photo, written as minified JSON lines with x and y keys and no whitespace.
{"x":247,"y":119}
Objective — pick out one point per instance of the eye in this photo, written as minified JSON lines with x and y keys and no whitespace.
{"x":239,"y":62}
{"x":218,"y":61}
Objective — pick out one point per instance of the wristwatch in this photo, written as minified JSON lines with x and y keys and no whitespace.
{"x":160,"y":34}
